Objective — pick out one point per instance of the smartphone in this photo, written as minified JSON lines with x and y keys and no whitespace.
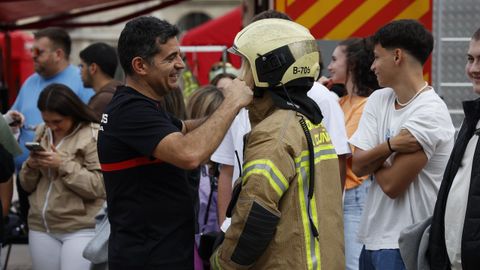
{"x":34,"y":146}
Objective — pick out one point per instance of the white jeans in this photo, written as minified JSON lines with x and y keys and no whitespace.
{"x":59,"y":251}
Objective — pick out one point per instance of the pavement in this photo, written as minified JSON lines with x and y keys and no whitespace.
{"x":19,"y":258}
{"x":19,"y":254}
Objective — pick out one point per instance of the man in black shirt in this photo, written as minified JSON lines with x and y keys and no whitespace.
{"x":144,"y":152}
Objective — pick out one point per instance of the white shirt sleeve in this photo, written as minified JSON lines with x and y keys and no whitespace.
{"x":225,"y":153}
{"x":232,"y":145}
{"x":429,"y":128}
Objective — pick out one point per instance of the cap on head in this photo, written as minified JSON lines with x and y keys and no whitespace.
{"x":221,"y":68}
{"x":278,"y":51}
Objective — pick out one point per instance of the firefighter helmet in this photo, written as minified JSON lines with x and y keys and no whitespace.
{"x":278,"y":51}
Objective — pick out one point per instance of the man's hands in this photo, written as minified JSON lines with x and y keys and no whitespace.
{"x":327,"y":82}
{"x":188,"y":151}
{"x":15,"y":120}
{"x":238,"y":92}
{"x":44,"y":159}
{"x":405,"y":142}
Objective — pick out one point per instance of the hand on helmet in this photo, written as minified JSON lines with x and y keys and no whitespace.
{"x":238,"y":93}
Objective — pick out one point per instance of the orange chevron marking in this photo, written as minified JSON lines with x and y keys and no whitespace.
{"x":356,"y":19}
{"x":415,"y":11}
{"x":316,"y":12}
{"x":367,"y":15}
{"x":280,"y":5}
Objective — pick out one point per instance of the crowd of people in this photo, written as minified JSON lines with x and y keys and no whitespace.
{"x":264,"y":168}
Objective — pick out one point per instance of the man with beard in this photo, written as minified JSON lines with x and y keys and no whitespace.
{"x":144,"y":151}
{"x":98,"y":63}
{"x":50,"y":52}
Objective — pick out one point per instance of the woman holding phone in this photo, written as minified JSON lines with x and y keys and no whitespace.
{"x":65,"y":181}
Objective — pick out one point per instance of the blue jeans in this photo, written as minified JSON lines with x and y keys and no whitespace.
{"x":353,"y":204}
{"x":383,"y":259}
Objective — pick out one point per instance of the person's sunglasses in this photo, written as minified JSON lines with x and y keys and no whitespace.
{"x":37,"y":51}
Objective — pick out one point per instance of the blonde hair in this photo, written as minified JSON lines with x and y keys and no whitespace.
{"x":203,"y":102}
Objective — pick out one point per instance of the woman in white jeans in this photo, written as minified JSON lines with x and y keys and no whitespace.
{"x":64,"y":180}
{"x":350,"y":65}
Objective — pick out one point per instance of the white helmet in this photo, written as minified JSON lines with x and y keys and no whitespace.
{"x":278,"y":51}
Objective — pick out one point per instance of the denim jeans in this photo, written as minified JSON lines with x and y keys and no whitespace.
{"x":353,"y":204}
{"x":383,"y":259}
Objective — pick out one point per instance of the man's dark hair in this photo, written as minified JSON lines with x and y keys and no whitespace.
{"x":140,"y":38}
{"x":59,"y":37}
{"x":271,"y":14}
{"x":103,"y":55}
{"x":409,"y":35}
{"x":476,"y":35}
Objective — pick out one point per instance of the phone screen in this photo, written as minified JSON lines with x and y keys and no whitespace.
{"x":34,"y":146}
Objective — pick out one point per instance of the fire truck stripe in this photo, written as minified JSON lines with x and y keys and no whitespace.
{"x":426,"y":19}
{"x":415,"y":11}
{"x":356,"y":19}
{"x":299,"y":7}
{"x":280,"y":5}
{"x":316,"y":12}
{"x":383,"y":17}
{"x":337,"y":19}
{"x":335,"y":16}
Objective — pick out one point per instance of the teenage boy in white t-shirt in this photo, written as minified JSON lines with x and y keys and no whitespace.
{"x":404,"y":139}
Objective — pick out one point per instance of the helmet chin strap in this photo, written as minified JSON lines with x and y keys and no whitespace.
{"x":293,"y":96}
{"x":311,"y":162}
{"x":258,"y":92}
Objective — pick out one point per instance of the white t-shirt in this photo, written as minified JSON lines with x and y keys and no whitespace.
{"x":333,"y":117}
{"x":457,"y":205}
{"x":233,"y":141}
{"x":427,"y":118}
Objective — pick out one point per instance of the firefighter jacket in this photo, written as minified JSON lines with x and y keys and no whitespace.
{"x":270,"y":226}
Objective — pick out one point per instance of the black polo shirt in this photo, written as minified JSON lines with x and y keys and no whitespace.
{"x":150,"y":205}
